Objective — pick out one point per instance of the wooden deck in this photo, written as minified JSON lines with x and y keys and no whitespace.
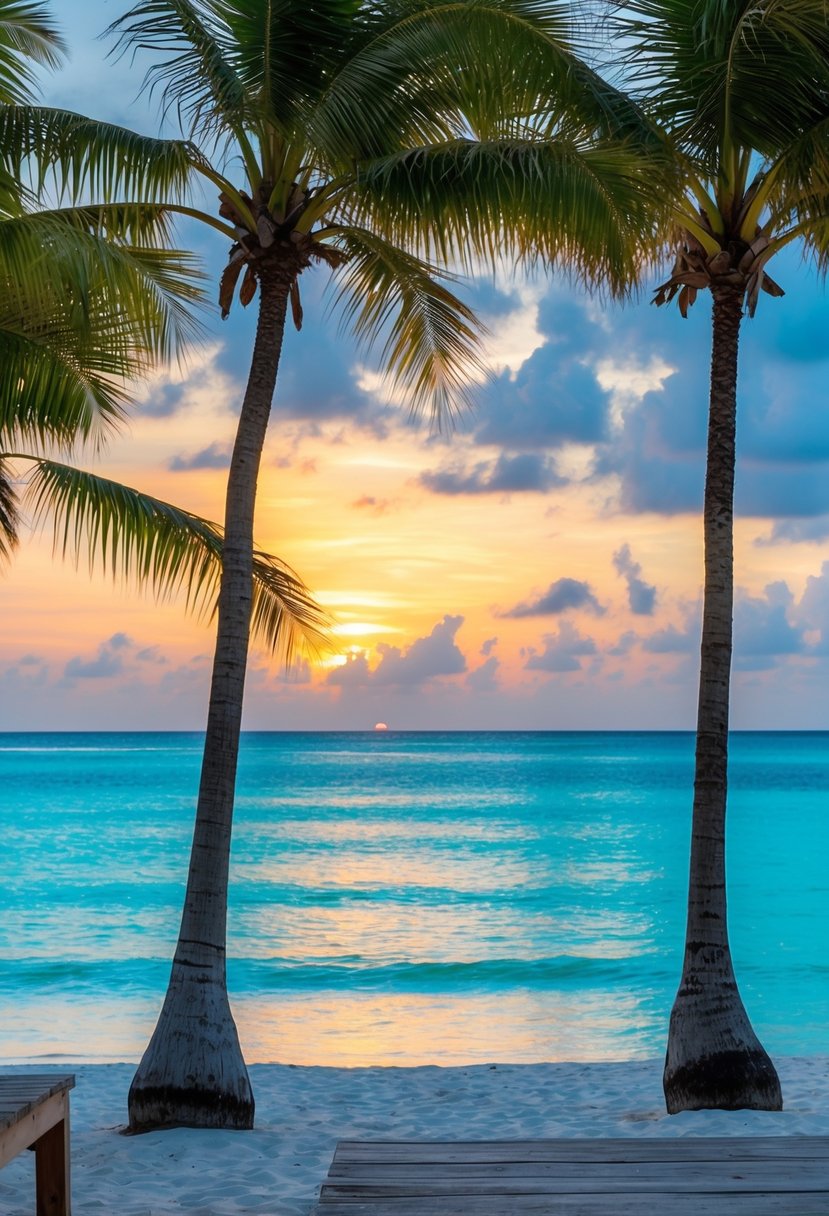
{"x":768,"y":1176}
{"x":34,"y":1113}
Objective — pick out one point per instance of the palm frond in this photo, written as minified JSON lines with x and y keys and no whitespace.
{"x":800,"y":174}
{"x":707,"y":69}
{"x":49,"y":393}
{"x":79,"y":316}
{"x":195,"y":72}
{"x":283,"y":52}
{"x":81,"y":158}
{"x":117,"y":255}
{"x":431,"y":339}
{"x":28,"y":36}
{"x":587,"y":207}
{"x":427,"y":71}
{"x":166,"y":550}
{"x":9,"y":514}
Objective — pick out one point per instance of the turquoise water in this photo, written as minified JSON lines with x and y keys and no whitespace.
{"x":408,"y":898}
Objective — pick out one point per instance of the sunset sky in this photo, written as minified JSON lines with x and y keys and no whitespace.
{"x":539,"y":568}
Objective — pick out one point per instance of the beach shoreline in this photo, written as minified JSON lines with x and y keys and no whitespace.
{"x":303,"y":1110}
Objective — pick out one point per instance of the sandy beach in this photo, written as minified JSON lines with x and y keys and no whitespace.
{"x":302,"y":1112}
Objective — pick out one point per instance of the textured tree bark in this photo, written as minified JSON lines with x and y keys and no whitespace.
{"x":714,"y":1059}
{"x":193,"y":1073}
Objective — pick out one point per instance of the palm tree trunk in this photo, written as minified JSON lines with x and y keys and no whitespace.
{"x":193,"y":1072}
{"x":714,"y":1058}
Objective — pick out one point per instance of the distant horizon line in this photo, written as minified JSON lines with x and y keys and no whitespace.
{"x":391,"y":730}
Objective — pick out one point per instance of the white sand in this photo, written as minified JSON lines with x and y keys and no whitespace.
{"x":302,"y":1112}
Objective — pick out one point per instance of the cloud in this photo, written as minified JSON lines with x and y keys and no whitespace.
{"x":354,"y":673}
{"x":214,"y":456}
{"x":796,"y":531}
{"x":151,"y":654}
{"x":624,"y":645}
{"x":426,"y":658}
{"x":672,"y":640}
{"x":488,"y":645}
{"x":376,"y":506}
{"x":562,"y":651}
{"x":641,"y":595}
{"x":762,"y":629}
{"x":299,"y":672}
{"x":522,"y":472}
{"x":483,"y":678}
{"x":813,"y":609}
{"x":554,"y":397}
{"x":435,"y":655}
{"x":29,"y":672}
{"x":561,"y":596}
{"x":109,"y":661}
{"x":164,"y":400}
{"x":199,"y":385}
{"x":631,"y":387}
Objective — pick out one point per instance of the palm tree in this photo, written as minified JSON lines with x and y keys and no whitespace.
{"x":372,"y":141}
{"x":741,"y":93}
{"x":91,"y":297}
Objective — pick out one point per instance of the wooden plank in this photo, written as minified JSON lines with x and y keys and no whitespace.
{"x":702,"y":1176}
{"x":18,"y":1100}
{"x":32,"y":1126}
{"x":44,"y":1083}
{"x":561,"y":1176}
{"x":588,"y":1205}
{"x":52,"y":1171}
{"x":586,"y":1185}
{"x":698,"y":1148}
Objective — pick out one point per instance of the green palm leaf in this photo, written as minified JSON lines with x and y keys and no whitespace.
{"x":431,"y":341}
{"x":231,"y":63}
{"x":428,"y":71}
{"x":83,"y":158}
{"x":27,"y":37}
{"x":9,"y":514}
{"x":167,"y":550}
{"x":197,"y":78}
{"x":48,"y":391}
{"x":80,"y":315}
{"x":703,"y":65}
{"x":797,"y":187}
{"x":579,"y":204}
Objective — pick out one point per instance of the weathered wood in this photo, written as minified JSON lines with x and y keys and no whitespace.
{"x":34,"y":1113}
{"x":597,"y":1176}
{"x":587,"y":1205}
{"x":36,"y":1121}
{"x":52,"y":1170}
{"x":18,"y":1095}
{"x":700,"y":1176}
{"x":697,"y":1148}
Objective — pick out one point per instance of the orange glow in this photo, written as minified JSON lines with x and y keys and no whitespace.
{"x":389,"y":557}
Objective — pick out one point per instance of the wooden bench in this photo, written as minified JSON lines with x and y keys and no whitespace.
{"x":686,"y":1176}
{"x":34,"y":1113}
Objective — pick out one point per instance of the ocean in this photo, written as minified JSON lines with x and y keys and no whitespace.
{"x":408,"y":898}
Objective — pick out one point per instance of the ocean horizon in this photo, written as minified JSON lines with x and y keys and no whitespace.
{"x":408,"y":897}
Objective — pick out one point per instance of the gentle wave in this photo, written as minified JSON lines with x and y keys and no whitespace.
{"x":438,"y":878}
{"x":261,"y":976}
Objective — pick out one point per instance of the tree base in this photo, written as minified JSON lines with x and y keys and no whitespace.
{"x":193,"y":1073}
{"x":155,"y":1106}
{"x":728,"y":1080}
